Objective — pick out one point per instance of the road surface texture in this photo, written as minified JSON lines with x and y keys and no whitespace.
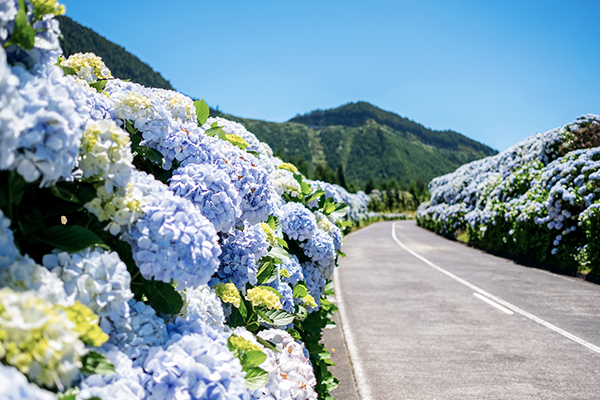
{"x":428,"y":318}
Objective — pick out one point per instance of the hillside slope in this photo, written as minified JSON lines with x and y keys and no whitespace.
{"x":368,"y":142}
{"x":124,"y":65}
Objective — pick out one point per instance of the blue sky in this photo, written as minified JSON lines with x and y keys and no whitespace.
{"x":496,"y":71}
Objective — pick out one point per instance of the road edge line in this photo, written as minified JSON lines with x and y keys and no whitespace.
{"x":364,"y":390}
{"x":498,"y":300}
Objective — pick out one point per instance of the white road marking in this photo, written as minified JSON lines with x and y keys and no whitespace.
{"x":361,"y":381}
{"x":497,"y":299}
{"x":493,"y":304}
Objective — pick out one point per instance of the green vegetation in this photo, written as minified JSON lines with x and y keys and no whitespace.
{"x":365,"y":143}
{"x":123,"y":65}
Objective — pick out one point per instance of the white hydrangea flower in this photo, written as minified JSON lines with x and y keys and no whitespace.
{"x":181,"y":107}
{"x":106,"y":153}
{"x":24,"y":275}
{"x":88,"y":67}
{"x":283,"y":181}
{"x":39,"y":339}
{"x":122,"y":208}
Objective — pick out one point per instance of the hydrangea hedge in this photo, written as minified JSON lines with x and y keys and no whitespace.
{"x":538,"y":200}
{"x":148,"y":251}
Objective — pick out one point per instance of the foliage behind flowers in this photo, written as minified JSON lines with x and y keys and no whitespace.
{"x":537,"y":200}
{"x":136,"y":233}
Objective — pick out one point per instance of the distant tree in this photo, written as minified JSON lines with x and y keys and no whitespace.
{"x":369,"y":186}
{"x":324,"y":173}
{"x":341,"y":177}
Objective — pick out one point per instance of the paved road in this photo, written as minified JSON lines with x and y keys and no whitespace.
{"x":416,"y":331}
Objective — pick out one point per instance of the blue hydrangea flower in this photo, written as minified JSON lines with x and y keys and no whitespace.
{"x":194,"y":367}
{"x":203,"y":313}
{"x":293,"y":269}
{"x":8,"y":250}
{"x":99,"y":280}
{"x":242,"y":249}
{"x":321,"y":250}
{"x":11,"y":110}
{"x":315,"y":282}
{"x":172,"y":240}
{"x":14,"y":386}
{"x":286,"y":291}
{"x":297,"y":221}
{"x":210,"y":188}
{"x":54,"y":115}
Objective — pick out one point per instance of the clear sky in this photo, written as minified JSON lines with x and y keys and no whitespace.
{"x":496,"y":71}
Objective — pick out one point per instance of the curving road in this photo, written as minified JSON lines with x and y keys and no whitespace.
{"x":428,"y":318}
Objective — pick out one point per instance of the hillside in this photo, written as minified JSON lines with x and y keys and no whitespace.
{"x":124,"y":65}
{"x":369,"y":143}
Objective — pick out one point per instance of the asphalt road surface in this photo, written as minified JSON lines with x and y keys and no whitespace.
{"x":427,"y":318}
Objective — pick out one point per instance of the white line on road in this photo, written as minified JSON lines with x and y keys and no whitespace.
{"x":493,"y":304}
{"x":361,"y":381}
{"x":497,"y":299}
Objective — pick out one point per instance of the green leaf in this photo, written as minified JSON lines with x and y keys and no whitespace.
{"x":63,"y":194}
{"x":254,"y":153}
{"x":129,"y":127}
{"x":314,"y":196}
{"x":215,"y":130}
{"x":69,"y":394}
{"x":340,"y":211}
{"x":295,"y":334}
{"x":300,"y":311}
{"x":300,"y":291}
{"x":282,"y":242}
{"x":96,"y":363}
{"x":256,"y":378}
{"x":341,"y":253}
{"x":150,"y":154}
{"x":16,"y":187}
{"x":306,"y":189}
{"x":71,"y":238}
{"x":23,"y":33}
{"x":253,"y":326}
{"x":266,"y":343}
{"x":267,"y":273}
{"x":274,"y":222}
{"x":252,"y":358}
{"x":243,"y":309}
{"x":275,"y":317}
{"x":31,"y":221}
{"x":343,"y":224}
{"x":221,"y":134}
{"x":202,"y":111}
{"x":99,"y":85}
{"x":162,"y":297}
{"x":67,"y":70}
{"x":279,"y":252}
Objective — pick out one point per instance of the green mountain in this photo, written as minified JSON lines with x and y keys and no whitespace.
{"x":368,"y":142}
{"x":124,"y":65}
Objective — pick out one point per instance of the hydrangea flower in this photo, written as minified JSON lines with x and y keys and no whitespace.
{"x":259,"y":296}
{"x":8,"y":250}
{"x":126,"y":383}
{"x":315,"y":282}
{"x":106,"y":154}
{"x":14,"y":386}
{"x":87,"y":66}
{"x":172,"y":240}
{"x":54,"y":115}
{"x":181,"y":107}
{"x":211,"y":189}
{"x":297,"y":221}
{"x":11,"y":107}
{"x":25,"y":275}
{"x":327,"y":226}
{"x":121,"y":208}
{"x":39,"y":339}
{"x":291,"y":270}
{"x":242,"y":249}
{"x":194,"y":367}
{"x":98,"y":279}
{"x":143,"y":330}
{"x":284,"y":182}
{"x":228,"y":293}
{"x":321,"y":250}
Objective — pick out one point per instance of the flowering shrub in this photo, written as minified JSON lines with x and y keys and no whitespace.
{"x":536,"y":200}
{"x":137,"y":233}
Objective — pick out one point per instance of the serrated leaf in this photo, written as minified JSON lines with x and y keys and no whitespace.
{"x":282,"y":242}
{"x":70,"y":238}
{"x":221,"y":134}
{"x":202,"y":111}
{"x":274,"y":222}
{"x":68,"y":70}
{"x":214,"y":131}
{"x":162,"y":297}
{"x":340,"y":211}
{"x":300,"y":291}
{"x":252,"y":358}
{"x":129,"y":127}
{"x":300,"y":311}
{"x":275,"y":317}
{"x":305,"y":188}
{"x":267,"y":272}
{"x":256,"y":378}
{"x":95,"y":363}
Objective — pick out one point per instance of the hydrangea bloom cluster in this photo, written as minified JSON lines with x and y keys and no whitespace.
{"x":283,"y":182}
{"x":530,"y":196}
{"x":38,"y":339}
{"x":297,"y":221}
{"x":211,"y":189}
{"x":11,"y":110}
{"x":98,"y":279}
{"x":203,"y":314}
{"x":106,"y":154}
{"x":194,"y":367}
{"x":121,"y":208}
{"x":259,"y":296}
{"x":88,"y":67}
{"x":321,"y":250}
{"x":8,"y":250}
{"x":242,"y":249}
{"x":172,"y":241}
{"x":14,"y":386}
